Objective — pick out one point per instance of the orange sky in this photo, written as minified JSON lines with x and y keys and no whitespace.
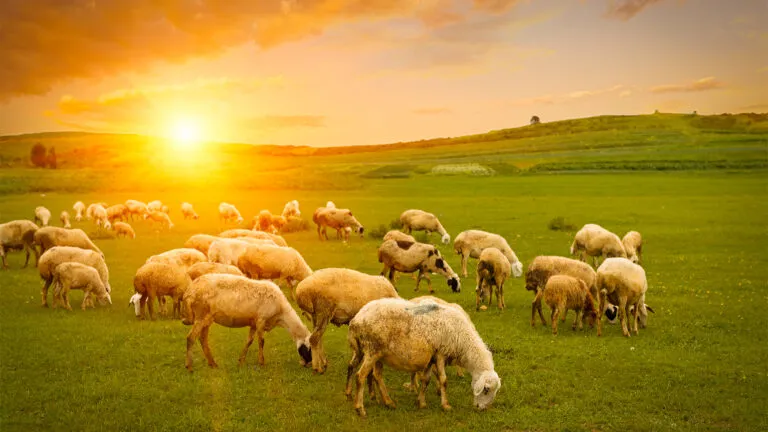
{"x":345,"y":72}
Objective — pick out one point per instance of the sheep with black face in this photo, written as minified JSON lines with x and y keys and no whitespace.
{"x":408,"y":257}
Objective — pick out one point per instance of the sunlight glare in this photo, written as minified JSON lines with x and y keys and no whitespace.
{"x":185,"y":133}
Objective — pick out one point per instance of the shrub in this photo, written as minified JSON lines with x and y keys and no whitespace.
{"x":560,"y":224}
{"x":295,"y":225}
{"x":378,"y":233}
{"x":395,"y":224}
{"x":37,"y":155}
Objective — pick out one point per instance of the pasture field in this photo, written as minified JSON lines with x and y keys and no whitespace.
{"x":699,"y":365}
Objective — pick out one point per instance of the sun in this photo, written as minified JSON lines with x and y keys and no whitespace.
{"x":185,"y":132}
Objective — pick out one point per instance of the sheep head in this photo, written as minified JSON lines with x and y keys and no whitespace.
{"x":517,"y":270}
{"x":436,"y":264}
{"x":485,"y":386}
{"x":305,"y":351}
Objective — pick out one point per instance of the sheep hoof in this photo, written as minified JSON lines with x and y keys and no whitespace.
{"x":390,"y":405}
{"x":361,"y":412}
{"x":447,"y":408}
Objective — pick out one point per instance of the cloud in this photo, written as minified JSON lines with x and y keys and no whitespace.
{"x":760,"y":107}
{"x":432,"y":111}
{"x":704,"y":84}
{"x":625,"y":10}
{"x":46,"y":42}
{"x":570,"y":97}
{"x":281,"y":122}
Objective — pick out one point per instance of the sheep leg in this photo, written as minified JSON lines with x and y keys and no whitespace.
{"x":378,"y":376}
{"x":5,"y":261}
{"x":151,"y":304}
{"x":464,"y":259}
{"x":260,"y":335}
{"x":353,"y":363}
{"x":362,"y":374}
{"x":66,"y":300}
{"x":251,"y":334}
{"x":442,"y":383}
{"x":555,"y":313}
{"x":500,"y":294}
{"x":536,"y":306}
{"x":191,"y":338}
{"x":204,"y":341}
{"x":425,"y":376}
{"x":44,"y":292}
{"x":418,"y":280}
{"x":459,"y":371}
{"x":86,"y":296}
{"x":316,"y":340}
{"x":600,"y":309}
{"x":636,"y":316}
{"x":576,"y":321}
{"x":623,"y":313}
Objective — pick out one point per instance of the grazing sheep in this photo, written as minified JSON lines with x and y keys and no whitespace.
{"x":291,"y":209}
{"x":160,"y":217}
{"x":183,"y":257}
{"x":228,"y":213}
{"x":203,"y":268}
{"x":563,"y":293}
{"x":98,"y":213}
{"x":235,"y":301}
{"x":42,"y":216}
{"x":64,"y":218}
{"x":335,"y":295}
{"x":17,"y":235}
{"x":48,"y":237}
{"x":263,"y":261}
{"x":201,"y":242}
{"x":188,"y":211}
{"x":414,"y":337}
{"x":135,"y":301}
{"x":399,"y":236}
{"x":122,"y":228}
{"x":633,"y":245}
{"x":79,"y":208}
{"x":596,"y":241}
{"x":117,"y":211}
{"x":155,"y":205}
{"x":157,"y":279}
{"x":624,"y":283}
{"x":136,"y":208}
{"x":471,"y":243}
{"x":337,"y":219}
{"x":229,"y":251}
{"x":234,"y":233}
{"x":419,"y":220}
{"x":74,"y":275}
{"x":330,"y":204}
{"x":278,"y":222}
{"x":61,"y":254}
{"x":409,"y":257}
{"x":493,"y":269}
{"x":263,"y":221}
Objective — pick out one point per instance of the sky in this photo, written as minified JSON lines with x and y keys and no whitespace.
{"x":350,"y":72}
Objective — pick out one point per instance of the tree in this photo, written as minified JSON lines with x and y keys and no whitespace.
{"x":535,"y":120}
{"x":37,"y":155}
{"x":52,"y":158}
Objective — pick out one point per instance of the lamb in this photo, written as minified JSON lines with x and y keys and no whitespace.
{"x":624,"y":283}
{"x":79,"y":208}
{"x":74,"y":275}
{"x":64,"y":218}
{"x":48,"y":237}
{"x":182,"y":257}
{"x":17,"y":235}
{"x":563,"y":293}
{"x":203,"y":268}
{"x":596,"y":241}
{"x":42,"y":216}
{"x":122,"y":228}
{"x":420,"y":220}
{"x":229,"y":251}
{"x":335,"y":295}
{"x":155,"y":205}
{"x":414,"y":337}
{"x":157,"y":279}
{"x":633,"y":245}
{"x":234,"y":233}
{"x":262,"y":261}
{"x":291,"y":209}
{"x":493,"y":269}
{"x":471,"y":243}
{"x":188,"y":211}
{"x":201,"y":242}
{"x":98,"y":213}
{"x":61,"y":254}
{"x":160,"y":217}
{"x":409,"y":257}
{"x":337,"y":219}
{"x":228,"y":213}
{"x":235,"y":301}
{"x":263,"y":221}
{"x":117,"y":211}
{"x":136,"y":208}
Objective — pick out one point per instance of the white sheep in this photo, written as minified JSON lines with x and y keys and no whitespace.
{"x":17,"y":235}
{"x":201,"y":242}
{"x":493,"y":269}
{"x":624,"y":283}
{"x":79,"y":208}
{"x":64,"y":218}
{"x":338,"y":219}
{"x":229,"y":251}
{"x":203,"y":268}
{"x":61,"y":254}
{"x":117,"y":211}
{"x":136,"y":208}
{"x":42,"y":216}
{"x":235,"y":301}
{"x":155,"y":205}
{"x":410,"y":257}
{"x":263,"y":261}
{"x":124,"y":229}
{"x":471,"y":243}
{"x":155,"y":280}
{"x":291,"y":209}
{"x":596,"y":241}
{"x":188,"y":211}
{"x":229,"y":213}
{"x":48,"y":237}
{"x":414,"y":337}
{"x":182,"y":257}
{"x":235,"y":233}
{"x":157,"y":216}
{"x":633,"y":245}
{"x":98,"y":213}
{"x":74,"y":275}
{"x":334,"y":295}
{"x":330,"y":204}
{"x":419,"y":220}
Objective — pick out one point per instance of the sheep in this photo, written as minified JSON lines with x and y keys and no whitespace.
{"x":136,"y":208}
{"x":624,"y":283}
{"x":337,"y":219}
{"x":278,"y":222}
{"x":234,"y":233}
{"x":98,"y":213}
{"x":42,"y":216}
{"x":122,"y":228}
{"x":633,"y":245}
{"x":79,"y":208}
{"x":158,"y":279}
{"x":563,"y":293}
{"x":160,"y":217}
{"x":188,"y":211}
{"x":471,"y":243}
{"x":183,"y":257}
{"x":135,"y":301}
{"x":263,"y":261}
{"x":74,"y":275}
{"x":48,"y":237}
{"x":263,"y":221}
{"x":201,"y":242}
{"x":165,"y":209}
{"x":414,"y":337}
{"x":17,"y":235}
{"x":399,"y":236}
{"x":330,"y":204}
{"x":117,"y":211}
{"x":596,"y":241}
{"x":64,"y":218}
{"x":420,"y":220}
{"x":235,"y":301}
{"x":291,"y":209}
{"x":409,"y":257}
{"x":203,"y":268}
{"x":155,"y":205}
{"x":228,"y":251}
{"x":61,"y":254}
{"x":335,"y":295}
{"x":228,"y":213}
{"x":493,"y":269}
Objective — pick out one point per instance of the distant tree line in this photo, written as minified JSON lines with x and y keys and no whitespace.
{"x":42,"y":158}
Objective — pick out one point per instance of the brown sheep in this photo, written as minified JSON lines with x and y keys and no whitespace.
{"x":155,"y":280}
{"x":564,"y":293}
{"x":338,"y":219}
{"x":493,"y":269}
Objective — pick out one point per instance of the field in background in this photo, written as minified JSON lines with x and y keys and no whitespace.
{"x":700,"y":365}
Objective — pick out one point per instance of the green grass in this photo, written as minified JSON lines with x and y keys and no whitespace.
{"x":700,"y":364}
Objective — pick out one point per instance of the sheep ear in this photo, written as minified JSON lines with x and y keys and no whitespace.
{"x":650,"y":309}
{"x":439,"y":263}
{"x":430,"y":253}
{"x":478,"y":386}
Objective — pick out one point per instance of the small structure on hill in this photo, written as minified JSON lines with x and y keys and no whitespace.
{"x":535,"y":120}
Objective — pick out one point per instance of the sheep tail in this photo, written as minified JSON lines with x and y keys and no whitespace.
{"x":573,"y":247}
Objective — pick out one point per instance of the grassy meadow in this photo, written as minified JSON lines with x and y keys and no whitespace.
{"x":699,"y":365}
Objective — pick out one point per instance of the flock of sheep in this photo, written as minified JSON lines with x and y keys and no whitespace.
{"x":229,"y":279}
